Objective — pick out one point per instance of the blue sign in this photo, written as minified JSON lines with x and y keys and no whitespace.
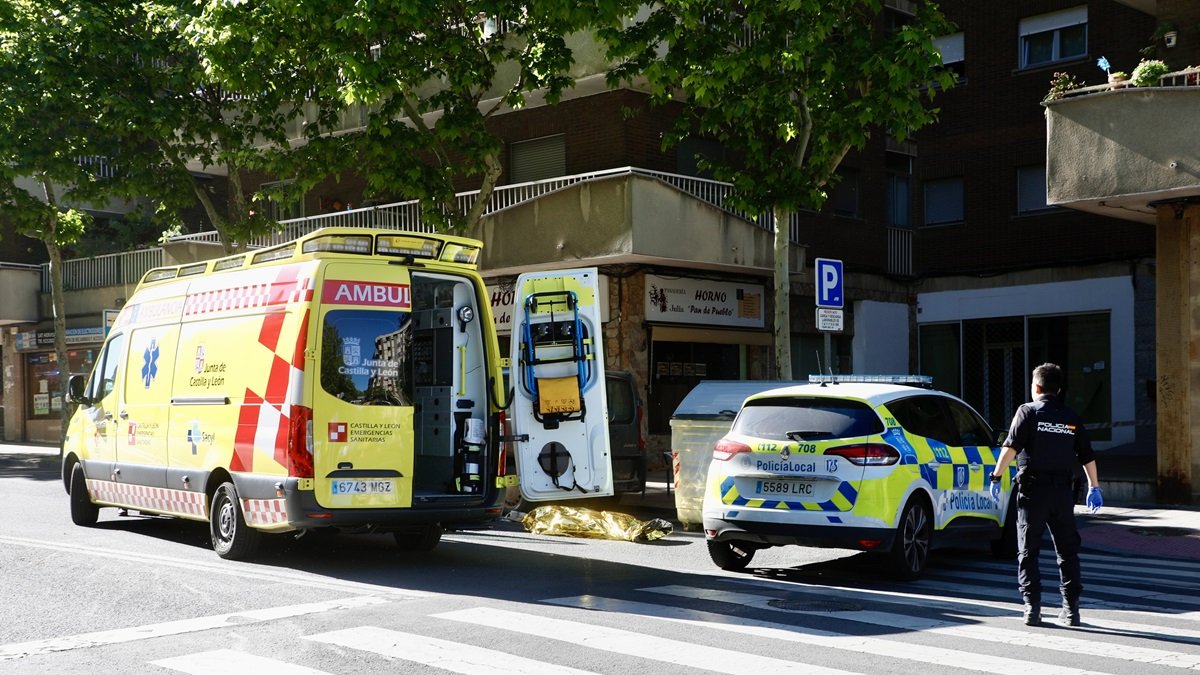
{"x":829,"y":283}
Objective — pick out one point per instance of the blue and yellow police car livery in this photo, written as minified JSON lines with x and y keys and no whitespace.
{"x":876,"y":466}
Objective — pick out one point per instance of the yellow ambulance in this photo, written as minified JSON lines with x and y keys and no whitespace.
{"x":351,"y":379}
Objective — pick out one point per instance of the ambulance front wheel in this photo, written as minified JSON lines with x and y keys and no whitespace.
{"x":420,"y":540}
{"x":83,"y":511}
{"x":232,"y":538}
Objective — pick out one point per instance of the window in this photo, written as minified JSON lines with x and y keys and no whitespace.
{"x":1031,"y":189}
{"x":104,"y":378}
{"x":538,"y":159}
{"x":944,"y":201}
{"x":809,"y":418}
{"x":844,"y":196}
{"x":899,"y":176}
{"x":1052,"y":37}
{"x":364,"y":354}
{"x":972,"y":430}
{"x":280,"y":201}
{"x":953,"y":53}
{"x":924,"y":416}
{"x":692,"y":150}
{"x":44,"y":397}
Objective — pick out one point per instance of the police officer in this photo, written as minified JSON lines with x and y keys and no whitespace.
{"x":1048,"y":440}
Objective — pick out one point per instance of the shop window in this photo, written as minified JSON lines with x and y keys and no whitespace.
{"x":944,"y":201}
{"x":44,"y":397}
{"x":1079,"y":343}
{"x":1057,"y":36}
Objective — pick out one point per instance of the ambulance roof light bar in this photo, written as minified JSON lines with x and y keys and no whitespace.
{"x":924,"y":381}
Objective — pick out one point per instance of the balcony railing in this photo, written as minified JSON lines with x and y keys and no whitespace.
{"x":127,"y":268}
{"x":899,"y":251}
{"x":407,"y":215}
{"x":113,"y":269}
{"x":1189,"y":77}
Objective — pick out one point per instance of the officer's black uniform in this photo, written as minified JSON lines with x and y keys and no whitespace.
{"x":1051,"y":441}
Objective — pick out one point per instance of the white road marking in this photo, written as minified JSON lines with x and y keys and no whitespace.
{"x":1015,"y":638}
{"x":225,"y":661}
{"x":629,"y":643}
{"x":891,"y":649}
{"x":442,"y":654}
{"x":959,"y":605}
{"x":226,"y":567}
{"x":108,"y":637}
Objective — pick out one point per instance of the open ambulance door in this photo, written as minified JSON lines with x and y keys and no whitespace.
{"x":559,"y":408}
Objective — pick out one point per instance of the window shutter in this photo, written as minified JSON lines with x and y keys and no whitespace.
{"x":538,"y":159}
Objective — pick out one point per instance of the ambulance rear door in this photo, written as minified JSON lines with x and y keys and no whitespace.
{"x":559,"y":408}
{"x":362,"y":407}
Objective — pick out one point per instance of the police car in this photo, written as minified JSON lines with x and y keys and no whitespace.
{"x":874,"y":463}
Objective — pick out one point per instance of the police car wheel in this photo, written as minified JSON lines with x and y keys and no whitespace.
{"x":232,"y":539}
{"x":419,"y":541}
{"x":730,"y":556}
{"x":910,"y":551}
{"x":83,"y":511}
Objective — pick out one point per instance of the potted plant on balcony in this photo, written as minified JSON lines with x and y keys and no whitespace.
{"x":1116,"y":78}
{"x":1148,"y":72}
{"x":1060,"y":84}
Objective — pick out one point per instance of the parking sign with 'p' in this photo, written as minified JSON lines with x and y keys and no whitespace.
{"x":829,"y":283}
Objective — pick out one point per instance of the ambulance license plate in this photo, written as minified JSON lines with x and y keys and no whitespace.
{"x":785,"y":488}
{"x":362,"y":487}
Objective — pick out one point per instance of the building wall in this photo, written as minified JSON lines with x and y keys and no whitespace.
{"x":993,"y":123}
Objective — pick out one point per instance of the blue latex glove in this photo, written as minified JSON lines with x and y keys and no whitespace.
{"x":995,"y":491}
{"x":1094,"y":499}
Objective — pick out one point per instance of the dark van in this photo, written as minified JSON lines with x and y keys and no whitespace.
{"x":626,"y":443}
{"x":625,"y":440}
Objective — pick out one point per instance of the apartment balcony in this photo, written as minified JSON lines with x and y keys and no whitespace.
{"x":1115,"y":152}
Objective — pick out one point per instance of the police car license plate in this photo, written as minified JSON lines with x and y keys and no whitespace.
{"x":362,"y":487}
{"x":785,"y":488}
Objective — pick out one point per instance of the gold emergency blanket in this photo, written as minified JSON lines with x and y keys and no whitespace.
{"x":570,"y":521}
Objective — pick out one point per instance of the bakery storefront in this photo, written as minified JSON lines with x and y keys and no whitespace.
{"x":701,"y":329}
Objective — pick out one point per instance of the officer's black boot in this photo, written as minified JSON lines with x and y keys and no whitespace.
{"x":1033,"y":612}
{"x":1069,"y":616}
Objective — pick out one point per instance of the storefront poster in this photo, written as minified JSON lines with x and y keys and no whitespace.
{"x":703,"y":301}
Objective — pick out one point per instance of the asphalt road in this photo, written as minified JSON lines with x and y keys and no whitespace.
{"x":138,"y":594}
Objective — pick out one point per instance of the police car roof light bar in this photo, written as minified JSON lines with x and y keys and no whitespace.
{"x":925,"y":381}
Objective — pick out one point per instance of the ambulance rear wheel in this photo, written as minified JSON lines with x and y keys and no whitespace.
{"x":83,"y":511}
{"x":232,"y":538}
{"x":420,"y":540}
{"x":731,"y":556}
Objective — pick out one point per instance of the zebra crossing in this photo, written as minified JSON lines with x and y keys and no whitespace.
{"x":1140,"y":616}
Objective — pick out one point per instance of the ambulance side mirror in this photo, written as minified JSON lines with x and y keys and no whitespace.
{"x":75,"y":390}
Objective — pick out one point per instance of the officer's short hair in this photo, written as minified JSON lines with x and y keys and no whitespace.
{"x":1049,"y":377}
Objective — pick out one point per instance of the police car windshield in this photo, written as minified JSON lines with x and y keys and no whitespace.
{"x":811,"y":418}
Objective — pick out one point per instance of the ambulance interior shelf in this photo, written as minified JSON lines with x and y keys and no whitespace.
{"x":556,"y":357}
